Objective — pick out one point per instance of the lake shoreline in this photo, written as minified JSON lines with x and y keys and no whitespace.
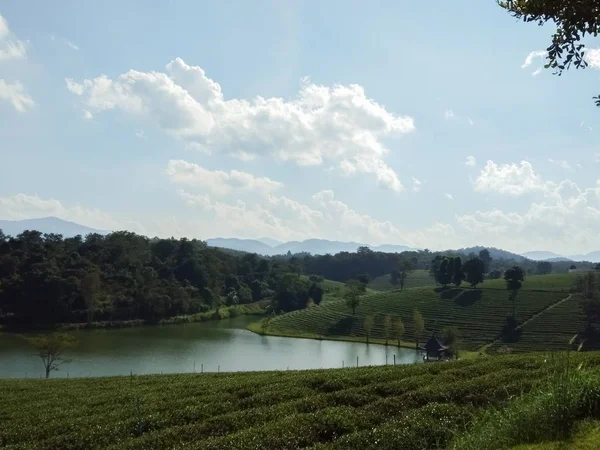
{"x":255,"y":328}
{"x":227,"y":312}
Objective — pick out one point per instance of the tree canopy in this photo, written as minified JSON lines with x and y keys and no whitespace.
{"x":574,"y":21}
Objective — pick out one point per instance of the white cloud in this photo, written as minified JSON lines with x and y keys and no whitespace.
{"x":531,"y":57}
{"x":70,"y":45}
{"x":560,"y":163}
{"x":217,"y":181}
{"x":470,"y":161}
{"x":448,"y":114}
{"x":592,"y":56}
{"x":511,"y":179}
{"x":16,"y":95}
{"x":416,"y":184}
{"x":597,"y":157}
{"x":140,"y":134}
{"x":567,"y":221}
{"x":23,"y":206}
{"x":87,"y":115}
{"x":449,"y":196}
{"x":338,"y":124}
{"x":10,"y":46}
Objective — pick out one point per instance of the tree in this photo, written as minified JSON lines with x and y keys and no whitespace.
{"x":316,"y":293}
{"x":399,"y":275}
{"x":573,"y":20}
{"x":354,"y":289}
{"x":543,"y":268}
{"x":368,"y":325}
{"x":50,"y":349}
{"x":387,"y":327}
{"x":441,"y":269}
{"x":458,"y":274}
{"x":398,"y":330}
{"x":514,"y":278}
{"x":90,"y":290}
{"x":494,"y":274}
{"x":419,"y":325}
{"x":485,"y":256}
{"x":474,"y":269}
{"x":572,"y":267}
{"x":451,"y":338}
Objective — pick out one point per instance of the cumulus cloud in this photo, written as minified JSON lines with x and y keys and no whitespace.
{"x":23,"y":206}
{"x":567,"y":219}
{"x":592,"y":56}
{"x":511,"y":179}
{"x":337,"y":124}
{"x":10,"y":46}
{"x":16,"y":94}
{"x":449,"y":196}
{"x":217,"y":181}
{"x":470,"y":161}
{"x":534,"y":56}
{"x":448,"y":114}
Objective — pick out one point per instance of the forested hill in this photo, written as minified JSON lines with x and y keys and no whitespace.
{"x":48,"y":279}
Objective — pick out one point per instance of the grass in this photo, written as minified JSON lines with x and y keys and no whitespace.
{"x":409,"y":407}
{"x":479,"y":314}
{"x":417,"y":278}
{"x":561,"y":282}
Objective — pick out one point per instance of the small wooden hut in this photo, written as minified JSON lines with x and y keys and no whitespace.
{"x":434,"y":350}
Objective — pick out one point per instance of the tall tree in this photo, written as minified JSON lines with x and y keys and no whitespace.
{"x":399,"y":275}
{"x":573,"y":20}
{"x":474,"y":269}
{"x":485,"y":256}
{"x":451,"y":338}
{"x":419,"y":326}
{"x":387,"y":327}
{"x":458,"y":275}
{"x":368,"y":325}
{"x":51,"y":348}
{"x":514,"y":278}
{"x":353,"y":291}
{"x":398,"y":330}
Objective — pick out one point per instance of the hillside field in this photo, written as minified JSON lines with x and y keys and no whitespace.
{"x":479,"y":314}
{"x":409,"y":407}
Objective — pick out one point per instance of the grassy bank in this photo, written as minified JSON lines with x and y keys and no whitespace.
{"x":225,"y":312}
{"x":409,"y":407}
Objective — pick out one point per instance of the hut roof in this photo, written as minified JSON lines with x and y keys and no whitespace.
{"x":434,"y":345}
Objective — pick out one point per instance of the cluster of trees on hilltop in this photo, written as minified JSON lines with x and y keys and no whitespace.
{"x":48,"y":279}
{"x":345,"y":265}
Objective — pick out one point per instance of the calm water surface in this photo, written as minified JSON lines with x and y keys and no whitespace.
{"x":220,"y":345}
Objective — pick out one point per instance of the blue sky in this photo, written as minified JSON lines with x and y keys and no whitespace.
{"x":398,"y":122}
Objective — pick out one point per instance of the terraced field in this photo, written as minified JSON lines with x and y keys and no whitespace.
{"x":479,"y":314}
{"x":408,"y":407}
{"x":418,"y":278}
{"x":551,"y":330}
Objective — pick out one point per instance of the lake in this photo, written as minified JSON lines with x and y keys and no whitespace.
{"x":223,"y":345}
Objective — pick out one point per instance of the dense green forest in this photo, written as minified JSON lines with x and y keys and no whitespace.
{"x":47,"y":279}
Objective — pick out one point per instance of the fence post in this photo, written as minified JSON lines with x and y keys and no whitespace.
{"x":218,"y":369}
{"x":357,"y":361}
{"x":342,"y":364}
{"x":194,"y":366}
{"x":201,"y":368}
{"x":386,"y":359}
{"x":394,"y":359}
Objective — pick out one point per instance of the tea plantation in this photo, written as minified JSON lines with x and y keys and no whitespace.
{"x":479,"y":314}
{"x":409,"y":407}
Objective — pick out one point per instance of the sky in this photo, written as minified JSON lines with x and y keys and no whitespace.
{"x":428,"y":124}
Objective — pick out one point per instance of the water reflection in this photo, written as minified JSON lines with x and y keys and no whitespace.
{"x":206,"y":346}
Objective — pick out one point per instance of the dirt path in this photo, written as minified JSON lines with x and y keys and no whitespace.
{"x":535,"y":316}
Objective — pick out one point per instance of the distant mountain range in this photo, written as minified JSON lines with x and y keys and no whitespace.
{"x":269,"y":246}
{"x":554,"y":257}
{"x":314,"y":246}
{"x":47,"y":225}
